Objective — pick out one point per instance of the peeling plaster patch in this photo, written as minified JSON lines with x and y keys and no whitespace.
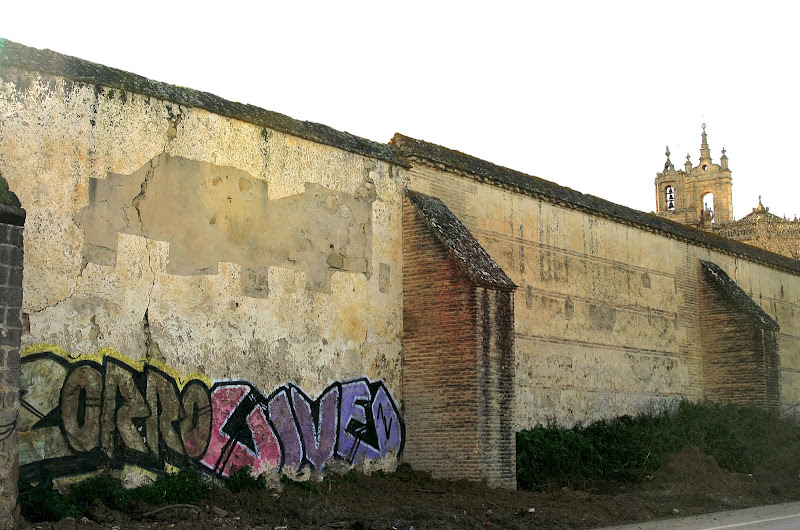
{"x":384,"y":277}
{"x":210,"y":214}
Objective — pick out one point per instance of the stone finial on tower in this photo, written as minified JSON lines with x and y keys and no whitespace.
{"x":688,"y":163}
{"x":668,"y":165}
{"x":723,"y":160}
{"x":705,"y":152}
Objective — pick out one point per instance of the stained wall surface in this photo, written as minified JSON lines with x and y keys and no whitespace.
{"x":607,"y":315}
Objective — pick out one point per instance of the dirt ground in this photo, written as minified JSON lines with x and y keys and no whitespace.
{"x":689,"y":483}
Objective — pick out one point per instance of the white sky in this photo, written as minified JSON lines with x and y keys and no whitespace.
{"x":586,"y":94}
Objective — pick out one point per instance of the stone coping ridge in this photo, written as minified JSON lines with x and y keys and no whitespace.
{"x":735,"y":293}
{"x":472,"y":257}
{"x":23,"y":57}
{"x":12,"y":215}
{"x":561,"y":195}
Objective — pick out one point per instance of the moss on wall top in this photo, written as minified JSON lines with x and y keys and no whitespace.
{"x":7,"y":196}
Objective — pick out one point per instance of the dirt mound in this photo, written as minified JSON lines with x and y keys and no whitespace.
{"x":692,"y":482}
{"x":782,"y":473}
{"x":693,"y":469}
{"x":689,"y":483}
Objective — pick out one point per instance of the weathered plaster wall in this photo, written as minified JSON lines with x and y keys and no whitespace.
{"x":207,"y":242}
{"x":607,"y":314}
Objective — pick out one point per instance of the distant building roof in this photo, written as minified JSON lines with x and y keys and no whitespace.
{"x":760,"y":214}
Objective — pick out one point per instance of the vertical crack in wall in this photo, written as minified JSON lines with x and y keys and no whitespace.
{"x":138,"y":199}
{"x":152,"y":350}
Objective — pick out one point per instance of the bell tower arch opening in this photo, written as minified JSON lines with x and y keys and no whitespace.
{"x":708,"y":208}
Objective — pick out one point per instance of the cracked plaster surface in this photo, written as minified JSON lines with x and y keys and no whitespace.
{"x":123,"y":284}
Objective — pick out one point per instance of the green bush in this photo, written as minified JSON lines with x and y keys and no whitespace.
{"x":43,"y":502}
{"x":105,"y":488}
{"x":243,"y":479}
{"x":627,"y":448}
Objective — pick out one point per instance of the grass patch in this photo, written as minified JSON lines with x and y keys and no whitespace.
{"x":626,"y":448}
{"x":42,"y":502}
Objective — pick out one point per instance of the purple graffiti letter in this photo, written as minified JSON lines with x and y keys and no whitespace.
{"x":318,"y":431}
{"x":280,"y":414}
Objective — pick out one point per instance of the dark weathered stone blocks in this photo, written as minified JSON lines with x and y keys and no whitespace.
{"x":11,"y":219}
{"x":11,"y":296}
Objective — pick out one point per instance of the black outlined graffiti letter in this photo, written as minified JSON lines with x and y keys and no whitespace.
{"x":165,"y":408}
{"x":196,"y":426}
{"x":80,"y":408}
{"x":122,"y":405}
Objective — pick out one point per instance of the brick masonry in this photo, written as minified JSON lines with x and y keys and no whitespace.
{"x":458,"y":376}
{"x":740,"y":352}
{"x":11,"y":221}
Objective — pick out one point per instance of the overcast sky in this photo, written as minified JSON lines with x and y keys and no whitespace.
{"x":586,"y":94}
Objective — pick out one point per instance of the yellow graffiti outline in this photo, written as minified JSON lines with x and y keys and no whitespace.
{"x":97,"y":358}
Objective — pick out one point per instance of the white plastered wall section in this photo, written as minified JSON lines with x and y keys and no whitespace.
{"x":58,"y":136}
{"x":606,"y":314}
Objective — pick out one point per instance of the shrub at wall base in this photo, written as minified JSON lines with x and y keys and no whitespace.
{"x":105,"y":411}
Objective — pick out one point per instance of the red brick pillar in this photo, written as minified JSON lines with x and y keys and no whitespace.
{"x":740,"y":347}
{"x":458,"y":350}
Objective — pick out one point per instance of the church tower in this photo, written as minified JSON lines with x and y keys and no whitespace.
{"x":700,"y":195}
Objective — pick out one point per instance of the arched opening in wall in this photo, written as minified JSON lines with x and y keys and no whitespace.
{"x":669,"y":197}
{"x":707,"y":208}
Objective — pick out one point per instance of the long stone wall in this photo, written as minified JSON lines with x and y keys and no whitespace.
{"x":608,"y":315}
{"x":177,"y":241}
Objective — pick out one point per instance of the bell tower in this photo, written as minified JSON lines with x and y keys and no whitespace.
{"x":700,"y":195}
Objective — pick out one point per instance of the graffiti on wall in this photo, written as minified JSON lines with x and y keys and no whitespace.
{"x":104,"y":410}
